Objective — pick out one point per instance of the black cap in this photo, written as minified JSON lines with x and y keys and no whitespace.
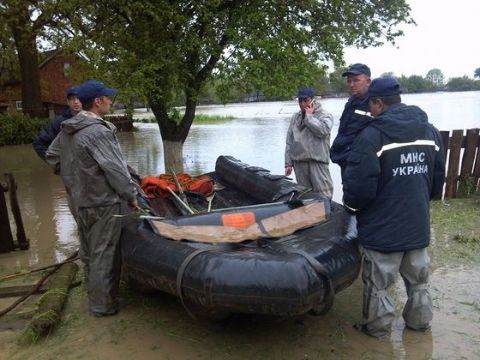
{"x":357,"y":69}
{"x":386,"y":86}
{"x":92,"y":89}
{"x":306,"y":92}
{"x":73,"y":90}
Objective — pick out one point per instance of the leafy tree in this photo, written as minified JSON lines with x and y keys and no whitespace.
{"x":463,"y":83}
{"x":435,"y":76}
{"x":415,"y":84}
{"x":24,"y":23}
{"x":9,"y":68}
{"x":388,"y":74}
{"x":337,"y":84}
{"x":477,"y":73}
{"x":162,"y":48}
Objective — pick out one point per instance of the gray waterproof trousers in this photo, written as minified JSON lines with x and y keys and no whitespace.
{"x":100,"y":252}
{"x":379,"y":273}
{"x":314,"y":175}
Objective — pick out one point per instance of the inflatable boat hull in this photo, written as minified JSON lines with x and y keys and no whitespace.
{"x":279,"y":276}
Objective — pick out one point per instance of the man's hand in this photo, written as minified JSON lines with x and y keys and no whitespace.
{"x":309,"y":108}
{"x":133,"y":204}
{"x":288,"y":170}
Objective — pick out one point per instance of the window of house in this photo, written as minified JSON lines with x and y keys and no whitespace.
{"x":67,"y":69}
{"x":18,"y":105}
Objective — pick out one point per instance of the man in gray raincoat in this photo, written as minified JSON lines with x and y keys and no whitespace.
{"x":307,"y":148}
{"x":87,"y":155}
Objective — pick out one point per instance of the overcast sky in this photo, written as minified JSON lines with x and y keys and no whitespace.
{"x":446,"y":37}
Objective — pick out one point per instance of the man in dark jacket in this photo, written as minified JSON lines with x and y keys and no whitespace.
{"x":50,"y":132}
{"x":395,"y":167}
{"x":355,"y":116}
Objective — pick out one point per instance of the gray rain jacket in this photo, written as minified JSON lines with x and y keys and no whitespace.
{"x":308,"y":139}
{"x":87,"y":155}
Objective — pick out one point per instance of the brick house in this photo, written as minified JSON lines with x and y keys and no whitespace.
{"x":57,"y":72}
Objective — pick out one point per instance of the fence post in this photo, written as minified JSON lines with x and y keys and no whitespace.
{"x":445,"y":135}
{"x":23,"y":243}
{"x":466,"y":184}
{"x":453,"y":163}
{"x":6,"y":238}
{"x":476,"y":168}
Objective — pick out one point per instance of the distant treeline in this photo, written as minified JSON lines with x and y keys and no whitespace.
{"x":328,"y":85}
{"x":334,"y":85}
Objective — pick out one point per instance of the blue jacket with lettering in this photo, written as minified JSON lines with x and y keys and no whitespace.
{"x":352,"y":122}
{"x":395,"y":167}
{"x":46,"y":135}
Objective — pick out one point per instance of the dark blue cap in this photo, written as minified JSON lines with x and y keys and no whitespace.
{"x":92,"y":89}
{"x":357,"y":69}
{"x":72,"y":90}
{"x":306,"y":92}
{"x":386,"y":86}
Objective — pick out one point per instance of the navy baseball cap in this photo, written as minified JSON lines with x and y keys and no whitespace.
{"x":73,"y":90}
{"x":306,"y":92}
{"x":357,"y":69}
{"x":92,"y":89}
{"x":382,"y":87}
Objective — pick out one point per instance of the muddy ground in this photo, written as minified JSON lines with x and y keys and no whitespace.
{"x":157,"y":327}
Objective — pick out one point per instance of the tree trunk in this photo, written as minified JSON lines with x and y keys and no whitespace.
{"x":26,"y":44}
{"x":173,"y":156}
{"x":173,"y":134}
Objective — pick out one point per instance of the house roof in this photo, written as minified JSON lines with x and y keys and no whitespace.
{"x":49,"y":55}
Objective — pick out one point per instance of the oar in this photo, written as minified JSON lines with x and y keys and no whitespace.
{"x":209,"y":200}
{"x":180,"y":201}
{"x":179,"y":186}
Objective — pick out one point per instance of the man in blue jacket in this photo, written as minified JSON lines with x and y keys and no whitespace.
{"x":50,"y":132}
{"x":396,"y":165}
{"x":355,"y":116}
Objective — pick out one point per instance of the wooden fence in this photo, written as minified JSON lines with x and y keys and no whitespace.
{"x":463,"y":167}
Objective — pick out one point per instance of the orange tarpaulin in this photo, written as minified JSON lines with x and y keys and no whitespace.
{"x":157,"y":186}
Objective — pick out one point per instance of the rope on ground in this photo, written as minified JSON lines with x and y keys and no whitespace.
{"x":71,"y":258}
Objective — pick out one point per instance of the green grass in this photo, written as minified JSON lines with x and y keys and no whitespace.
{"x":456,"y":234}
{"x":200,"y":118}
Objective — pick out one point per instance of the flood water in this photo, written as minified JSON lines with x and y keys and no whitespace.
{"x":256,"y":136}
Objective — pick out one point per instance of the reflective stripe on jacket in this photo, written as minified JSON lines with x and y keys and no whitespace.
{"x":354,"y":119}
{"x":395,"y":167}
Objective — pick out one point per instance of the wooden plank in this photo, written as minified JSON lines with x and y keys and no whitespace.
{"x":446,"y":141}
{"x":21,"y":237}
{"x":476,"y":168}
{"x":466,"y":172}
{"x":445,"y":136}
{"x":6,"y":238}
{"x":19,"y":290}
{"x":453,"y":163}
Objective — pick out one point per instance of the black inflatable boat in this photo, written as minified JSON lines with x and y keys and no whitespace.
{"x":288,"y":275}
